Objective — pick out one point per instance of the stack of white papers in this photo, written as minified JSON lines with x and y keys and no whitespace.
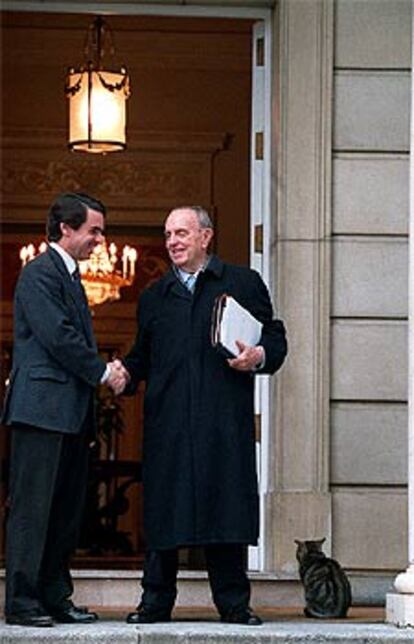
{"x":231,"y":322}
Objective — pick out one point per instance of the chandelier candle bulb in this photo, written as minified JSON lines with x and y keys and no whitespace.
{"x":27,"y":253}
{"x":30,"y":252}
{"x":133,"y":259}
{"x":113,"y":249}
{"x":23,"y":255}
{"x":125,"y":261}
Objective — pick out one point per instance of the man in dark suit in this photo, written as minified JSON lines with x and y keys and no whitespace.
{"x":199,"y":472}
{"x":49,"y":405}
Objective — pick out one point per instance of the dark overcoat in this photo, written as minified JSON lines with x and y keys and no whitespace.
{"x":199,"y":470}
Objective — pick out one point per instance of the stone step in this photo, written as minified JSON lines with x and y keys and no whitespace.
{"x":193,"y":633}
{"x":198,"y":626}
{"x":117,"y":588}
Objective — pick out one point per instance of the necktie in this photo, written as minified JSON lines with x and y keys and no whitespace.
{"x":83,"y":306}
{"x":190,"y":282}
{"x":80,"y":291}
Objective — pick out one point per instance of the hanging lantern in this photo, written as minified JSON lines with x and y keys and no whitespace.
{"x":97,"y":97}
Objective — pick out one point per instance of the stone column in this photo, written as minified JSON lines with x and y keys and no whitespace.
{"x":298,"y":504}
{"x":400,"y":604}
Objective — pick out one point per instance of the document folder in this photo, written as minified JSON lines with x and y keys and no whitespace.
{"x":231,"y":322}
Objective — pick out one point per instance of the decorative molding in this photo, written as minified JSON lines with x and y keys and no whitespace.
{"x":159,"y":170}
{"x":254,"y":9}
{"x":152,"y":266}
{"x":25,"y":137}
{"x":164,"y":179}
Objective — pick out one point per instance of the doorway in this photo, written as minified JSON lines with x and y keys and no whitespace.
{"x":195,"y":146}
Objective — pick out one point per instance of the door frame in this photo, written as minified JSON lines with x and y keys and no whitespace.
{"x":259,"y":261}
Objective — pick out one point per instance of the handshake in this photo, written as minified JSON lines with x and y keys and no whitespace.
{"x":118,"y":377}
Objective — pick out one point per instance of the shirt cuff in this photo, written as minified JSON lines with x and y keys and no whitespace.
{"x":106,"y":374}
{"x":262,"y":363}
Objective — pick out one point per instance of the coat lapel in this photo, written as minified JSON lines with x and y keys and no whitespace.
{"x":79,"y":298}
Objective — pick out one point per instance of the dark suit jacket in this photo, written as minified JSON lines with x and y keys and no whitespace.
{"x":55,"y":361}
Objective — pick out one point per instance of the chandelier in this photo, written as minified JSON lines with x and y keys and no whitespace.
{"x":97,"y":96}
{"x":101,"y":278}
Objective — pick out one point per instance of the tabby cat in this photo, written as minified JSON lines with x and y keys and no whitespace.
{"x":327,"y":589}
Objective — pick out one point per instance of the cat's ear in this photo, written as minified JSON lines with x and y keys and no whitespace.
{"x":297,"y":542}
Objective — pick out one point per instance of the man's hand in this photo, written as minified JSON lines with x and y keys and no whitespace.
{"x":248,"y":359}
{"x":118,"y":377}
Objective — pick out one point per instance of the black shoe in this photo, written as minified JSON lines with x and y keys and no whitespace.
{"x":146,"y":615}
{"x":30,"y":619}
{"x":74,"y":615}
{"x":241,"y":616}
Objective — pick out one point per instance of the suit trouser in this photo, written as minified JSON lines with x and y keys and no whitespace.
{"x":226,"y":569}
{"x":48,"y":476}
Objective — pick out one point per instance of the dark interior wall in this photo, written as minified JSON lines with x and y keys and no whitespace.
{"x":188,"y":76}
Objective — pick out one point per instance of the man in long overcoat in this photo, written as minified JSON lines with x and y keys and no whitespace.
{"x":199,"y":471}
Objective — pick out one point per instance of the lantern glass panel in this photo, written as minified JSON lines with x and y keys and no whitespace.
{"x":105,"y":109}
